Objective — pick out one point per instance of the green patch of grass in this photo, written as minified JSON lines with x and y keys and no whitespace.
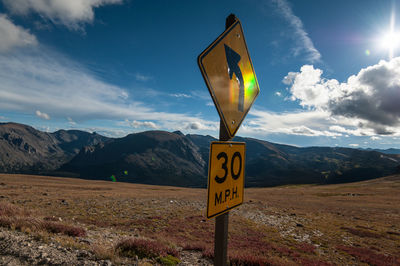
{"x":168,"y":260}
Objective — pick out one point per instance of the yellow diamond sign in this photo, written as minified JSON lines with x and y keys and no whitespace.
{"x":228,"y":72}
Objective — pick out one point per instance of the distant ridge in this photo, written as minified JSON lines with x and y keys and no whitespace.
{"x":165,"y":158}
{"x":24,"y":149}
{"x":386,"y":151}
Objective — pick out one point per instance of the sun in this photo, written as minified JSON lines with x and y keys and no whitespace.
{"x":390,"y":42}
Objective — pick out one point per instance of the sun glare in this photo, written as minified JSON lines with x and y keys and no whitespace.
{"x":390,"y":41}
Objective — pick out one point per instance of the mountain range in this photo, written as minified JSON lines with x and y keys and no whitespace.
{"x":172,"y":158}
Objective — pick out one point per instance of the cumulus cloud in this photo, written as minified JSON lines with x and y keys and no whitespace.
{"x":300,"y":36}
{"x":371,"y":97}
{"x":143,"y":124}
{"x":42,"y":115}
{"x":69,"y":13}
{"x":198,"y":125}
{"x":13,"y":36}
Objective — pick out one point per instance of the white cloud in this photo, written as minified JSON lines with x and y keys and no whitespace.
{"x":180,"y":95}
{"x":198,"y":125}
{"x":375,"y":138}
{"x":72,"y":13}
{"x":42,"y":115}
{"x":143,"y":124}
{"x":307,"y":123}
{"x":141,"y":77}
{"x":71,"y":121}
{"x":279,"y":94}
{"x":55,"y":85}
{"x":13,"y":36}
{"x":355,"y":145}
{"x":300,"y":36}
{"x":370,"y":98}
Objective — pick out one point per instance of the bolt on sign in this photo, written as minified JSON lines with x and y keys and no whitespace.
{"x":225,"y":176}
{"x":228,"y":72}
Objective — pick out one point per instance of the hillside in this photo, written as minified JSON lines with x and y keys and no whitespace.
{"x":24,"y":149}
{"x":165,"y":158}
{"x":67,"y":221}
{"x":153,"y":157}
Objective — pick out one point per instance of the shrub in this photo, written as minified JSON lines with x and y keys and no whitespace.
{"x":144,"y":248}
{"x":237,"y":259}
{"x":208,"y":253}
{"x":9,"y":210}
{"x":5,"y":221}
{"x":68,"y":230}
{"x":196,"y":246}
{"x":102,"y":252}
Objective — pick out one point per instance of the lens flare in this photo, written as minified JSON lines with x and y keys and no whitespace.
{"x":250,"y":82}
{"x":125,"y":172}
{"x":250,"y":86}
{"x":367,"y":52}
{"x":113,"y":178}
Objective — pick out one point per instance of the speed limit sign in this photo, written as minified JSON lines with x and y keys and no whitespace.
{"x":225,"y":176}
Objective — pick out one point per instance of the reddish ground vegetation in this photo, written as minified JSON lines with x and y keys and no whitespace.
{"x":368,"y":256}
{"x":144,"y":248}
{"x":12,"y":216}
{"x":361,"y":233}
{"x":248,"y":259}
{"x":306,"y":248}
{"x":192,"y":232}
{"x":288,"y":225}
{"x":68,"y":230}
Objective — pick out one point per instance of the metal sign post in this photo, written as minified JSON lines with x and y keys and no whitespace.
{"x":222,"y":221}
{"x":229,"y":75}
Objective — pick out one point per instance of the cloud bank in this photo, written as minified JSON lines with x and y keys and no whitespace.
{"x":370,"y":98}
{"x":61,"y":88}
{"x":13,"y":36}
{"x":71,"y":13}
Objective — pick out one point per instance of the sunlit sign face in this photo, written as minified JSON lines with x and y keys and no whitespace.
{"x":228,"y":72}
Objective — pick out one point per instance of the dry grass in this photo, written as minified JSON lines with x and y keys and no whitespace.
{"x":291,"y":225}
{"x":15,"y":217}
{"x":144,"y":248}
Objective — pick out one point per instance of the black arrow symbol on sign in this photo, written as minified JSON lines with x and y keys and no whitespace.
{"x":233,"y":59}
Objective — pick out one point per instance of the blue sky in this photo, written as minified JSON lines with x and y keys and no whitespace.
{"x":328,"y":71}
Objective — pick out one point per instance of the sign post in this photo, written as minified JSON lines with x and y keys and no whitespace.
{"x":228,"y":72}
{"x":222,"y":221}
